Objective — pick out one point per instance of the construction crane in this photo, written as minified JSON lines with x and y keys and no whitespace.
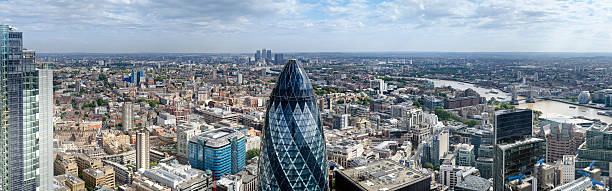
{"x":584,"y":173}
{"x":593,"y":181}
{"x":540,"y":162}
{"x":591,"y":165}
{"x":519,"y":177}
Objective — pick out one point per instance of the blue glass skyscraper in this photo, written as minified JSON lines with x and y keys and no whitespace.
{"x":133,"y":76}
{"x":140,"y":78}
{"x":221,"y":151}
{"x":293,"y":146}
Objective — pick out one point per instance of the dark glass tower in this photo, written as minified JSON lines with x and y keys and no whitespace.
{"x":19,"y":121}
{"x":293,"y":146}
{"x":512,"y":125}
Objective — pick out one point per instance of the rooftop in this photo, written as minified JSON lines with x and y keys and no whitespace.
{"x":464,"y":147}
{"x":172,"y":175}
{"x":521,"y":142}
{"x":573,"y":121}
{"x":220,"y":112}
{"x":59,"y":186}
{"x":383,"y":175}
{"x":578,"y":184}
{"x":474,"y":183}
{"x":96,"y":173}
{"x":500,"y":112}
{"x":217,"y":137}
{"x":69,"y":178}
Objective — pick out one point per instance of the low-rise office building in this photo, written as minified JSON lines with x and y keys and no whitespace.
{"x":65,"y":164}
{"x":70,"y":181}
{"x":103,"y":177}
{"x":123,"y":174}
{"x":85,"y":162}
{"x":382,"y":175}
{"x":178,"y":177}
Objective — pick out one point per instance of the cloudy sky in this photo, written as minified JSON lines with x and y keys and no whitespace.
{"x":234,"y":26}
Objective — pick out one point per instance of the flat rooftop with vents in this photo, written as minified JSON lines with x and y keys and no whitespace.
{"x":382,"y":175}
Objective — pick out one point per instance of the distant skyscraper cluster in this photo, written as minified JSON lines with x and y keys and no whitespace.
{"x":23,"y":128}
{"x":136,"y":77}
{"x":265,"y":56}
{"x":278,"y":59}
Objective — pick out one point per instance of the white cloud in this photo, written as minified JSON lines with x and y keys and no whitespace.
{"x":504,"y":21}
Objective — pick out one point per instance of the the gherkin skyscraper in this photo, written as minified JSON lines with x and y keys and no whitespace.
{"x":293,"y":146}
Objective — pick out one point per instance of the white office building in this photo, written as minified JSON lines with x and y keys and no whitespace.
{"x":451,"y":175}
{"x":567,"y":169}
{"x":45,"y":82}
{"x":164,"y":119}
{"x":184,"y":134}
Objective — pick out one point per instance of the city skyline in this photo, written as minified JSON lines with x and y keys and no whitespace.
{"x":135,"y":26}
{"x":273,"y":95}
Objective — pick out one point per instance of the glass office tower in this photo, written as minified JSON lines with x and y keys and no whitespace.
{"x":20,"y":161}
{"x":222,"y":151}
{"x":516,"y":158}
{"x":293,"y":146}
{"x":4,"y":142}
{"x":598,"y":148}
{"x":515,"y":151}
{"x":512,"y":125}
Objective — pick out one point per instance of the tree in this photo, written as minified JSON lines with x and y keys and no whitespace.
{"x":417,"y":103}
{"x":504,"y":106}
{"x":537,"y":112}
{"x":252,"y":153}
{"x":153,"y":104}
{"x":92,"y":104}
{"x":442,"y":114}
{"x":471,"y":123}
{"x":101,"y":102}
{"x":428,"y":165}
{"x":321,"y":92}
{"x":102,"y":77}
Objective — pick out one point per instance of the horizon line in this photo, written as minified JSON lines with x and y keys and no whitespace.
{"x":338,"y":52}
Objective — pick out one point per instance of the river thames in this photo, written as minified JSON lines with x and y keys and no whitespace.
{"x":547,"y":107}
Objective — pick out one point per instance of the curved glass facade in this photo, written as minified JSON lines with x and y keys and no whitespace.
{"x":293,"y":146}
